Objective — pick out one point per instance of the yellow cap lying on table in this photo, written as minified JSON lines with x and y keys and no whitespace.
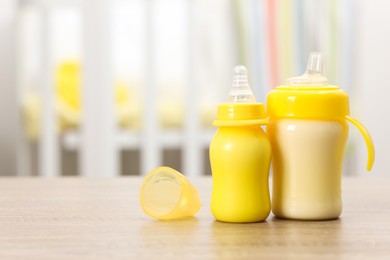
{"x":167,"y":194}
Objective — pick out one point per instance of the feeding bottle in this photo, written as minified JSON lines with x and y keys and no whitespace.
{"x":308,"y":131}
{"x":240,"y":155}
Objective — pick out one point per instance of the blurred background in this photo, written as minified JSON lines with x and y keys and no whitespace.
{"x":106,"y":88}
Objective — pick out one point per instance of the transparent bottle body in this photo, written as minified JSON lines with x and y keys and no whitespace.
{"x":307,"y":167}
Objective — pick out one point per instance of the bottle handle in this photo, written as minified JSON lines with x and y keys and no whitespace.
{"x":367,"y":139}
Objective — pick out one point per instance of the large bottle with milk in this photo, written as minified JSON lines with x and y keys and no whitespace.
{"x":308,"y":131}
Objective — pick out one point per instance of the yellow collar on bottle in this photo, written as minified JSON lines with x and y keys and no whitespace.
{"x":241,"y":114}
{"x":314,"y":102}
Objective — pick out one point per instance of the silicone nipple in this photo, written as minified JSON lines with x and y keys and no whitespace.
{"x":315,"y":72}
{"x":241,"y":91}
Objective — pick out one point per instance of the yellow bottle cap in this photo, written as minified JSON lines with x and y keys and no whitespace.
{"x":166,"y":194}
{"x":312,"y":102}
{"x":241,"y":114}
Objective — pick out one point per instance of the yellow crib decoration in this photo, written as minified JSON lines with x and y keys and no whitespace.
{"x":68,"y":103}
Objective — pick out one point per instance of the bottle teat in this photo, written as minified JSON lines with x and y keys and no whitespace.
{"x":315,"y":72}
{"x":241,"y":91}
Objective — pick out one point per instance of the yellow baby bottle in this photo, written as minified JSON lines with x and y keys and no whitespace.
{"x":240,"y":155}
{"x":308,"y":131}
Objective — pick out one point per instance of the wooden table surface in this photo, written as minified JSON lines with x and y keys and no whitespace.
{"x":79,"y":218}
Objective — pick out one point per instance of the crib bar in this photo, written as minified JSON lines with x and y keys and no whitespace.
{"x":192,"y":147}
{"x":99,"y":156}
{"x":23,"y":154}
{"x":48,"y":147}
{"x":150,"y":145}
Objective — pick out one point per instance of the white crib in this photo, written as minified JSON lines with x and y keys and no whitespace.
{"x":99,"y":140}
{"x":234,"y":32}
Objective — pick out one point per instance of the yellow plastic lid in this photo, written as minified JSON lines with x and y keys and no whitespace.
{"x":166,"y":194}
{"x":314,"y":102}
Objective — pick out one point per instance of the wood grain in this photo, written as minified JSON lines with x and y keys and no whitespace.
{"x":77,"y":218}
